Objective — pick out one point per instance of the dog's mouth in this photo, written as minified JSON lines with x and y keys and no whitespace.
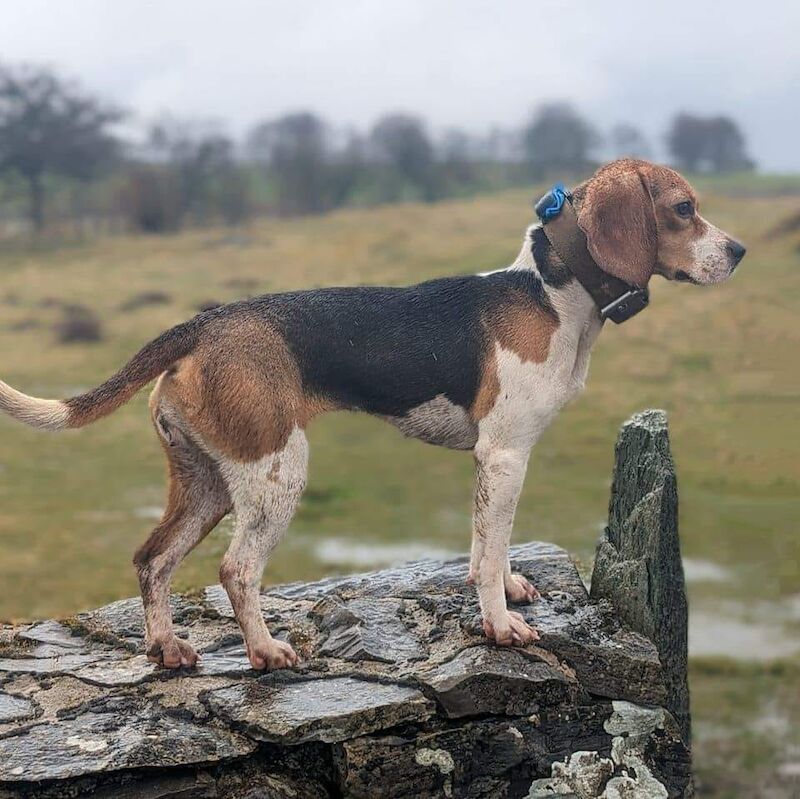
{"x":685,"y":277}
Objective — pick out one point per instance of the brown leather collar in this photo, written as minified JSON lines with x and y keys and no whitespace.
{"x":615,"y":299}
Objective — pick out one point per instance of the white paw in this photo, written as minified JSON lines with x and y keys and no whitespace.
{"x":519,"y":589}
{"x":510,"y":630}
{"x":272,"y":655}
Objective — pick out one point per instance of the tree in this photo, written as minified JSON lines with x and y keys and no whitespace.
{"x":455,"y":154}
{"x":557,"y":139}
{"x":726,"y":147}
{"x":295,"y":149}
{"x":186,"y":168}
{"x":401,"y":141}
{"x":628,"y":141}
{"x":686,"y":141}
{"x":713,"y":144}
{"x":50,"y":127}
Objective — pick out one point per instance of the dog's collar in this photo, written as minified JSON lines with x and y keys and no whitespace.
{"x":615,"y":299}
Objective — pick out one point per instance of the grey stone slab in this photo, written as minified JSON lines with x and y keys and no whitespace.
{"x":231,"y":662}
{"x":96,"y":743}
{"x":53,"y":633}
{"x":127,"y":671}
{"x":482,"y":680}
{"x":62,"y":664}
{"x":327,"y":710}
{"x":15,"y":708}
{"x":547,"y":564}
{"x":366,"y":629}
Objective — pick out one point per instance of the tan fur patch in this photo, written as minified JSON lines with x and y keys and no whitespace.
{"x":240,"y":390}
{"x":526,"y":329}
{"x":488,"y":390}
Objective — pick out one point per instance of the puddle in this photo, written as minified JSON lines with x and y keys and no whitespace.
{"x":344,"y":552}
{"x":723,"y":633}
{"x":704,"y":571}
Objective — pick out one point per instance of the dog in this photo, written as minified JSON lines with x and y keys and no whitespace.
{"x":480,"y":363}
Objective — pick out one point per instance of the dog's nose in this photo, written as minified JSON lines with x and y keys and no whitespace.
{"x":735,"y":250}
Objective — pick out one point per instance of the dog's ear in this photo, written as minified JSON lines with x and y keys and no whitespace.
{"x":619,"y":220}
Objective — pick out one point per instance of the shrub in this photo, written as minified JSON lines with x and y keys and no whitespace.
{"x":78,"y":324}
{"x":144,"y":299}
{"x":151,"y":200}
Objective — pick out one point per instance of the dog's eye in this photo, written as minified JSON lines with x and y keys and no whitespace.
{"x":685,"y":209}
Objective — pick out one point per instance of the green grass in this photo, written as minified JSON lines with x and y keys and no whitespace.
{"x":746,"y":727}
{"x":723,"y":361}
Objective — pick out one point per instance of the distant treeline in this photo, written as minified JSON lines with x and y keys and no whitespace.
{"x":62,"y":157}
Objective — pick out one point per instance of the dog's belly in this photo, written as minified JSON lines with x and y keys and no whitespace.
{"x":439,"y":422}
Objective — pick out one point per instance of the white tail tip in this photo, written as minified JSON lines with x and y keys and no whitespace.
{"x":45,"y":414}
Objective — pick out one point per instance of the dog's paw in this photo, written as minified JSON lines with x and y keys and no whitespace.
{"x":520,"y":590}
{"x":171,"y":652}
{"x":510,"y":630}
{"x":272,"y":655}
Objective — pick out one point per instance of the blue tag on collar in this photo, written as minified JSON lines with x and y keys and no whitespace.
{"x":551,"y":204}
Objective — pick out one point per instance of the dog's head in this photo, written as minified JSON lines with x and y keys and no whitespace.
{"x":642,"y":219}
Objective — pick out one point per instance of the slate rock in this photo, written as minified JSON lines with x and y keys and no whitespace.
{"x":127,"y":671}
{"x":15,"y":708}
{"x":98,"y":742}
{"x":52,"y":664}
{"x":638,"y":565}
{"x":327,"y":710}
{"x":366,"y":629}
{"x":547,"y":564}
{"x":55,"y":634}
{"x":482,"y":680}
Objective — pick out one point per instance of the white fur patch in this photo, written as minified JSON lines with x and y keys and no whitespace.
{"x":709,"y":252}
{"x":46,"y":414}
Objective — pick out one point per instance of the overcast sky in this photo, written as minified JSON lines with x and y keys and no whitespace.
{"x":463,"y":63}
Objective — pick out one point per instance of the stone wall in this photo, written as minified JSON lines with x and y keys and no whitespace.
{"x":399,"y":694}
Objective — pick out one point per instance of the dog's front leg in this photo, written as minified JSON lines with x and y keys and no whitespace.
{"x":500,"y":472}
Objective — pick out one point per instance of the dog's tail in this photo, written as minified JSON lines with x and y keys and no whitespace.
{"x":153,"y":359}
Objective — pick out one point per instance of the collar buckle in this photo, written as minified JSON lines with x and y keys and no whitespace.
{"x":626,"y":305}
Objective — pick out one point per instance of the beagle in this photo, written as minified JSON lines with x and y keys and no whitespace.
{"x":480,"y":363}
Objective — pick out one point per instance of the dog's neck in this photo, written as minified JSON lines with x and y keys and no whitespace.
{"x":573,"y":303}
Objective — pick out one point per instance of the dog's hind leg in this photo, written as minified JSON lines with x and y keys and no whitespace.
{"x":265,"y":495}
{"x":197,"y":500}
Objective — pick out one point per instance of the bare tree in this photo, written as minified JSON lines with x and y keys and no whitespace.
{"x":48,"y":126}
{"x":401,"y":141}
{"x":187,"y":168}
{"x":456,"y":154}
{"x":201,"y":158}
{"x":295,"y":150}
{"x":558,"y":139}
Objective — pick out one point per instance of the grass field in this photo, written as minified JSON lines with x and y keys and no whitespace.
{"x":723,"y":361}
